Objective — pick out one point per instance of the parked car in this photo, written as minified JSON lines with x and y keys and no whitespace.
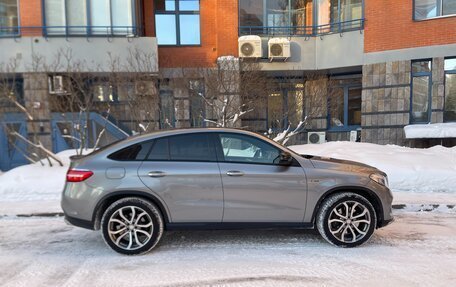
{"x":214,"y":178}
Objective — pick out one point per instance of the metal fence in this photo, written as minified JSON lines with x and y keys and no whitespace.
{"x":303,"y":31}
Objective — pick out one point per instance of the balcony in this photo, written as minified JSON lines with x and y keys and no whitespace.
{"x":303,"y":31}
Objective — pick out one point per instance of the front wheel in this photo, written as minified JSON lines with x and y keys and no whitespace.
{"x":132,"y":226}
{"x":346,"y":219}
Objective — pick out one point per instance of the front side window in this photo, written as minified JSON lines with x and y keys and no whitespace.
{"x":9,"y":17}
{"x":177,"y":22}
{"x":246,"y":149}
{"x":90,"y":17}
{"x":449,"y":114}
{"x":344,"y":107}
{"x":421,"y":91}
{"x":426,"y":9}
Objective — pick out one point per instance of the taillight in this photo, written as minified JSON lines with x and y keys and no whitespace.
{"x":77,"y":175}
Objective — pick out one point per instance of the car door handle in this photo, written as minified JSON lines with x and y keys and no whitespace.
{"x":234,"y":173}
{"x":156,"y":174}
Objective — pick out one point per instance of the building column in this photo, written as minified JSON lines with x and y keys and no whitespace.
{"x":438,"y":90}
{"x":385,"y":108}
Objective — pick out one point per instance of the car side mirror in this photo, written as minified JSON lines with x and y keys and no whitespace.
{"x":285,"y":159}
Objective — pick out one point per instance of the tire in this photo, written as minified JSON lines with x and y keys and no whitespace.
{"x":346,"y":219}
{"x":132,"y":226}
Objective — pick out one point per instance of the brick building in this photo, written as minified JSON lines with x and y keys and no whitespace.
{"x":381,"y":65}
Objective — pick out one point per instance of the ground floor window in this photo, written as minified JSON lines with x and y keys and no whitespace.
{"x":344,"y":107}
{"x":166,"y":109}
{"x":11,"y":87}
{"x":197,"y":103}
{"x":449,"y":114}
{"x":421,"y":91}
{"x":285,"y":107}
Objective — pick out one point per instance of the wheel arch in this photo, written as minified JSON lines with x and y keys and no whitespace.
{"x":110,"y":198}
{"x":362,"y":191}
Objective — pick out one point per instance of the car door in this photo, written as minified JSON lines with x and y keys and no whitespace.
{"x":256,"y":188}
{"x":183,"y":171}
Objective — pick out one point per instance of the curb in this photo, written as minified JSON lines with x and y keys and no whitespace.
{"x":425,"y":207}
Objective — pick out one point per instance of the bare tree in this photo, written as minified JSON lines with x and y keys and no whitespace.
{"x":229,"y":91}
{"x":309,"y":106}
{"x":8,"y":94}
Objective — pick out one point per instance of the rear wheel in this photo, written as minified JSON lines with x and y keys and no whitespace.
{"x":132,"y":226}
{"x":346,"y":219}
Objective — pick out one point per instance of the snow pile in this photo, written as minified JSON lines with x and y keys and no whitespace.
{"x":442,"y":130}
{"x":34,"y":181}
{"x":408,"y":169}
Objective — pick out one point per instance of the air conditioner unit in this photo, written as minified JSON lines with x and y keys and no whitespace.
{"x":250,"y":47}
{"x":145,"y":88}
{"x":279,"y":48}
{"x":57,"y":85}
{"x":316,"y":137}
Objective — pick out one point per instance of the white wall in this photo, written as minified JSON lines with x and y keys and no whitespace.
{"x":93,"y":51}
{"x":317,"y":53}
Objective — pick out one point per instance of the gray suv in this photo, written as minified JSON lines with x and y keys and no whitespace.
{"x":135,"y":189}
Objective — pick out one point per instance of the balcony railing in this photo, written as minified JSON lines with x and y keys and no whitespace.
{"x":303,"y":31}
{"x":72,"y":31}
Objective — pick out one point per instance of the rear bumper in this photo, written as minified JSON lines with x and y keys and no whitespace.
{"x":79,"y":222}
{"x":385,"y":222}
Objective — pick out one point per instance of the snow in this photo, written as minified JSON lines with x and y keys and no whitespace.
{"x":37,"y":188}
{"x":418,"y":249}
{"x":429,"y":173}
{"x":441,"y":130}
{"x":408,"y":169}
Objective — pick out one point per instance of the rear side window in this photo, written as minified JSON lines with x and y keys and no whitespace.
{"x":160,"y":150}
{"x":191,"y":147}
{"x":132,"y":153}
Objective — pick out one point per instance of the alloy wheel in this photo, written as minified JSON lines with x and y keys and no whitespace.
{"x":349,"y":221}
{"x":130,"y":227}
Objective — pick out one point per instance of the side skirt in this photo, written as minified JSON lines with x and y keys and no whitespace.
{"x":237,"y":225}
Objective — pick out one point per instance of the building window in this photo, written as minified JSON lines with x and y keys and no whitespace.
{"x":339,"y":15}
{"x":166,"y":109}
{"x":177,"y":22}
{"x":344,"y":107}
{"x":426,"y":9}
{"x":197,"y":103}
{"x":13,"y":87}
{"x":421,"y":91}
{"x":9,"y":18}
{"x":299,"y":17}
{"x":449,"y":114}
{"x":91,"y":17}
{"x":285,"y":107}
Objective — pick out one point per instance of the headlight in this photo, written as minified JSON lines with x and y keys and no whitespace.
{"x":380,"y":179}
